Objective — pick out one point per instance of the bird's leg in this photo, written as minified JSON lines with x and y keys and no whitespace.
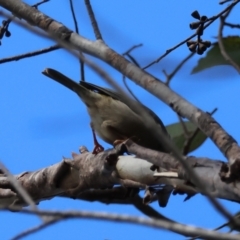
{"x":97,"y":147}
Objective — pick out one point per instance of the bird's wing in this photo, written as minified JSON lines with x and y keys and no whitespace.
{"x":117,"y":96}
{"x":105,"y":91}
{"x":77,"y":87}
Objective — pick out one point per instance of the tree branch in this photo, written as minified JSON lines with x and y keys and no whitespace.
{"x":109,"y":168}
{"x":96,"y":30}
{"x":39,"y":227}
{"x":77,"y":31}
{"x":30,"y":54}
{"x":222,"y":48}
{"x":178,"y":67}
{"x":154,"y":223}
{"x":232,"y":25}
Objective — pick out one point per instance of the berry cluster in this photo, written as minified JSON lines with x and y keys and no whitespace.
{"x":4,"y":29}
{"x":199,"y":46}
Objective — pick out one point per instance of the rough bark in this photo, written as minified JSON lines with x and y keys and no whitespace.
{"x":86,"y":172}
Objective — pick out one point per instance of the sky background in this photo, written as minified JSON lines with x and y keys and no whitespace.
{"x":41,"y":121}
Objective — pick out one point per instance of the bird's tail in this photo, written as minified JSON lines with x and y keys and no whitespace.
{"x":64,"y":80}
{"x":85,"y":92}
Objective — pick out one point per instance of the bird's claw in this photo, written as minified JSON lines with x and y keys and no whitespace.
{"x":98,"y":148}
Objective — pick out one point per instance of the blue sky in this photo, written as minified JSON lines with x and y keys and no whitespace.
{"x":41,"y":121}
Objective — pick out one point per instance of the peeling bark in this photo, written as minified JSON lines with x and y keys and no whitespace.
{"x":75,"y":177}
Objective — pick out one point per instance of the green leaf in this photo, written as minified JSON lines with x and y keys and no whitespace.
{"x":176,"y":132}
{"x":214,"y":56}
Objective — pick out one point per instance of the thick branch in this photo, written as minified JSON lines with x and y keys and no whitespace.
{"x":88,"y":171}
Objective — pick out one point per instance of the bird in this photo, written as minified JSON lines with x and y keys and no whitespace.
{"x":114,"y":119}
{"x":111,"y":116}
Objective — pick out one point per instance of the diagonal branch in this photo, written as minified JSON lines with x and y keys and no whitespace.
{"x":153,"y":223}
{"x":39,"y":227}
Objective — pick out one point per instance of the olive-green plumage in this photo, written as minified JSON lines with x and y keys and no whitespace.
{"x":111,"y":117}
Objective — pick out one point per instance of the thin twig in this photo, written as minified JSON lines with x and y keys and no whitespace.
{"x":127,"y":53}
{"x":128,"y":88}
{"x":190,"y":138}
{"x":93,"y":20}
{"x":30,"y":54}
{"x":132,"y":48}
{"x":77,"y":31}
{"x":82,"y":70}
{"x":228,"y":224}
{"x":210,"y":21}
{"x":185,"y":130}
{"x":231,"y":25}
{"x":132,"y":59}
{"x":188,"y":141}
{"x":225,"y":1}
{"x":221,"y":45}
{"x":74,"y":16}
{"x":38,"y":4}
{"x":179,"y":66}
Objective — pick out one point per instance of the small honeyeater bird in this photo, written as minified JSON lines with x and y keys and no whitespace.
{"x":111,"y":117}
